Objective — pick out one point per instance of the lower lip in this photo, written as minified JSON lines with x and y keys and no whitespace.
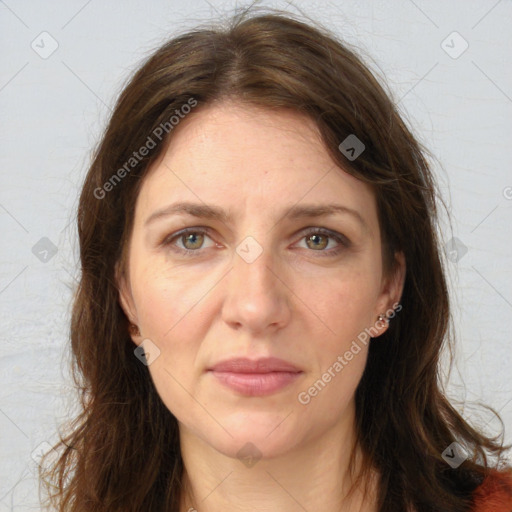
{"x":256,"y":384}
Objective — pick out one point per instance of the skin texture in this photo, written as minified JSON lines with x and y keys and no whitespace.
{"x":298,"y":301}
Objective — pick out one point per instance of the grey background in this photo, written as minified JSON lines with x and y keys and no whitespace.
{"x":53,"y":108}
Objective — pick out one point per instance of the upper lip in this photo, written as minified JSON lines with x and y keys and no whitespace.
{"x":262,"y":365}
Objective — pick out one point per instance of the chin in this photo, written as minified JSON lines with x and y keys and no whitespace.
{"x":250,"y":447}
{"x":255,"y":435}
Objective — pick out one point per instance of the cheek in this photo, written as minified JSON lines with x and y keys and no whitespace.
{"x":171,"y":315}
{"x":168,"y":306}
{"x":169,"y":311}
{"x":345,"y":305}
{"x":344,"y":308}
{"x":340,"y":356}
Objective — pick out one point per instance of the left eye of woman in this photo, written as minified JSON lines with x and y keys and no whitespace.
{"x":318,"y":239}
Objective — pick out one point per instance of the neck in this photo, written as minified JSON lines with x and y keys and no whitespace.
{"x":314,"y":476}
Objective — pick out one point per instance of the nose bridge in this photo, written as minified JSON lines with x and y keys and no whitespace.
{"x":254,"y":253}
{"x":256,"y":298}
{"x":253,"y":264}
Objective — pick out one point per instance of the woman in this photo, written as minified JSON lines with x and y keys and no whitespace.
{"x":262,"y":305}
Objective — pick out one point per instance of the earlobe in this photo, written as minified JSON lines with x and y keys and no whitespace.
{"x":126,"y":302}
{"x":134,"y":330}
{"x":393,"y":284}
{"x":391,"y":294}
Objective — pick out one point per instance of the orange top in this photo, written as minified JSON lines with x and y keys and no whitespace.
{"x":495,"y":493}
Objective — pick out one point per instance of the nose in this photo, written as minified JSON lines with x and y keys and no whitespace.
{"x":257,"y":298}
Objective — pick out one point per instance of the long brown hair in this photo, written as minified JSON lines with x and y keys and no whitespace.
{"x":122,"y":452}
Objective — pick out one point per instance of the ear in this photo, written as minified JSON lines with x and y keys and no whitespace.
{"x":391,"y":293}
{"x":126,"y":300}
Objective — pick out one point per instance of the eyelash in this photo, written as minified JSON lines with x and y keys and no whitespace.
{"x":341,"y":239}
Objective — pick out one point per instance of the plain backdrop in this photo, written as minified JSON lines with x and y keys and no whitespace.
{"x":448,"y":65}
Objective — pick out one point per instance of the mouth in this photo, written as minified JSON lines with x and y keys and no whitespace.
{"x":255,"y":377}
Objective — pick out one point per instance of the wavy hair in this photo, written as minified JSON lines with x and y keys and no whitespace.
{"x":121,"y":453}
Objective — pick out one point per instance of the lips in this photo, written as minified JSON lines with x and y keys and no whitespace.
{"x":263,"y":365}
{"x":255,"y":377}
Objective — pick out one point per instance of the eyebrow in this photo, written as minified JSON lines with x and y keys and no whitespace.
{"x":206,"y":211}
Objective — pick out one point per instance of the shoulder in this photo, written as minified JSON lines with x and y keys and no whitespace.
{"x":494,"y":494}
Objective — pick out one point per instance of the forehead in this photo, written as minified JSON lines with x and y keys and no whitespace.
{"x":249,"y":159}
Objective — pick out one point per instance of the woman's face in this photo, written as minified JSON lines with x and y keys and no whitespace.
{"x":267,"y":275}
